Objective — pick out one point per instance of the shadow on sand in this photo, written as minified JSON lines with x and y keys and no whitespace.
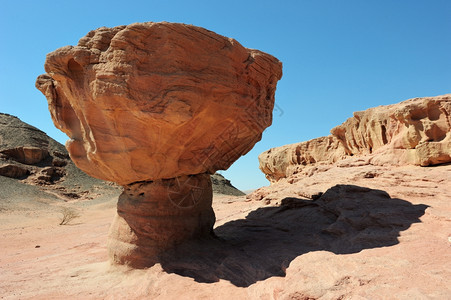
{"x":346,"y":219}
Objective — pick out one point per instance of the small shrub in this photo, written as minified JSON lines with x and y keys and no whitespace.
{"x":68,"y":214}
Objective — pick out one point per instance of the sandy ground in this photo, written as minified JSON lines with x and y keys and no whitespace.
{"x":267,"y":251}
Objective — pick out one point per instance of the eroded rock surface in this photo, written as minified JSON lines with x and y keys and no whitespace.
{"x":32,"y":158}
{"x":13,"y":171}
{"x":156,"y":216}
{"x":159,"y":100}
{"x":55,"y":175}
{"x":150,"y":102}
{"x":24,"y":145}
{"x":416,"y":131}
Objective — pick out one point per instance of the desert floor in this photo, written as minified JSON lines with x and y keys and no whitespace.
{"x":365,"y":245}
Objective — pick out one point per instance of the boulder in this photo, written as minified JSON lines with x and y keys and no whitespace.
{"x":27,"y":155}
{"x":159,"y":100}
{"x":22,"y":142}
{"x":13,"y":171}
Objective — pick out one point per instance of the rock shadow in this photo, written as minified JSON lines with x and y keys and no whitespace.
{"x":346,"y":219}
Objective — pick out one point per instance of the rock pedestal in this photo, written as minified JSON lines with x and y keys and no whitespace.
{"x":155,"y":216}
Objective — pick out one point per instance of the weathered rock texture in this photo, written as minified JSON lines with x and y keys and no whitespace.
{"x":415,"y":131}
{"x":158,"y":100}
{"x":153,"y":217}
{"x":24,"y":179}
{"x":23,"y":143}
{"x":153,"y":101}
{"x":34,"y":166}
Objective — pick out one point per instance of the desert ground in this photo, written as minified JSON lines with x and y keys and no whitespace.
{"x":375,"y":233}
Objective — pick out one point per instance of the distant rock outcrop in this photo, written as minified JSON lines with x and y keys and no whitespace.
{"x":26,"y":151}
{"x":40,"y":166}
{"x":157,"y":108}
{"x":415,"y":131}
{"x":223,"y":186}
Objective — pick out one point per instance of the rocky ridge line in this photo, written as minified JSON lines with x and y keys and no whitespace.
{"x":414,"y":132}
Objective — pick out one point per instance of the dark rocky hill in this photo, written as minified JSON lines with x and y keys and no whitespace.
{"x":222,"y":185}
{"x":36,"y":170}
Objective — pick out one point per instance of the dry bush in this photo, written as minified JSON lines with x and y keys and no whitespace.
{"x":68,"y":214}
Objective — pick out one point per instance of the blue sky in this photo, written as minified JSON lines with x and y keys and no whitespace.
{"x":338,"y":56}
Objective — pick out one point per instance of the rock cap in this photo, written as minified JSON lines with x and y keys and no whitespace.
{"x":151,"y":100}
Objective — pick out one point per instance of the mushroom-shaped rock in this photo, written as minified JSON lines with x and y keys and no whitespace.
{"x":155,"y":107}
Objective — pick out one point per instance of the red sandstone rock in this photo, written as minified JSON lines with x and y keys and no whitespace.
{"x":13,"y":171}
{"x":415,"y":131}
{"x":155,"y":107}
{"x":276,"y":163}
{"x":154,"y":217}
{"x":159,"y":100}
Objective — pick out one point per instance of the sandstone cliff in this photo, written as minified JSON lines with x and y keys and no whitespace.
{"x":416,"y":131}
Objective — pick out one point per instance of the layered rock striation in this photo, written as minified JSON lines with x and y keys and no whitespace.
{"x":33,"y":166}
{"x":158,"y":100}
{"x":155,"y":107}
{"x":416,"y":131}
{"x":28,"y":154}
